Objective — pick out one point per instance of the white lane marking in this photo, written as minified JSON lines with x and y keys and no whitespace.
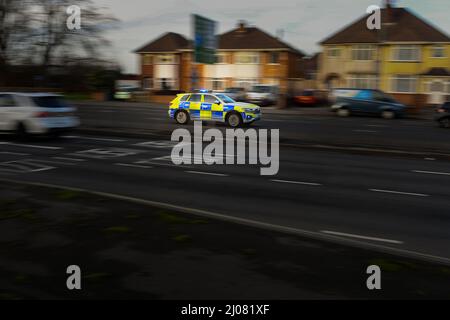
{"x":24,"y":166}
{"x":365,"y":131}
{"x":32,"y":146}
{"x":144,"y":162}
{"x":375,"y":125}
{"x":432,"y":172}
{"x":14,"y":153}
{"x":69,"y":159}
{"x":252,"y":223}
{"x":132,"y":165}
{"x":208,"y":173}
{"x":94,"y":138}
{"x":54,"y":162}
{"x":296,"y":182}
{"x":400,"y":192}
{"x":430,"y":159}
{"x":361,"y":237}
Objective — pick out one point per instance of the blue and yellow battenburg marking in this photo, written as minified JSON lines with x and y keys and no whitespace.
{"x":212,"y":111}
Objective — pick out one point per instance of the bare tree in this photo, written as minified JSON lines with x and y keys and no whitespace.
{"x":14,"y":25}
{"x":53,"y":39}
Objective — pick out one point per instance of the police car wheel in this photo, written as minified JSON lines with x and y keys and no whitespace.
{"x":182,"y":117}
{"x":234,"y":120}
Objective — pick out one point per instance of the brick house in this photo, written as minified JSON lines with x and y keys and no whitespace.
{"x":408,"y":58}
{"x":245,"y":56}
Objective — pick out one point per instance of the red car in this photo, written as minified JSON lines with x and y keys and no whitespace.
{"x":306,"y":98}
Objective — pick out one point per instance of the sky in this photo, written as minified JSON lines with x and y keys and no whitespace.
{"x":304,"y":22}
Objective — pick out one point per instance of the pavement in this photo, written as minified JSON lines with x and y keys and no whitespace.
{"x":127,"y":250}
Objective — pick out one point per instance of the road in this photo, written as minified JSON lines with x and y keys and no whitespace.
{"x":400,"y":203}
{"x":300,"y":126}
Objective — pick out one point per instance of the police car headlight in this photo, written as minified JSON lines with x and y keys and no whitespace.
{"x":250,"y":109}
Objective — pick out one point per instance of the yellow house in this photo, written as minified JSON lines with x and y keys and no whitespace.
{"x":408,"y":58}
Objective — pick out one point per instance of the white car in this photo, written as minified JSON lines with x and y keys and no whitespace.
{"x":35,"y":113}
{"x":263,"y":94}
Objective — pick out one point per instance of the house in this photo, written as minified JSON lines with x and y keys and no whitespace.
{"x":246,"y":56}
{"x":408,"y":58}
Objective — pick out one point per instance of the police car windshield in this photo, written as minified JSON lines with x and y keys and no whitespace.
{"x":225,"y":98}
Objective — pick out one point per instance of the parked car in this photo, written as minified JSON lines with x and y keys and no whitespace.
{"x":443,"y":115}
{"x":263,"y":94}
{"x":125,"y":93}
{"x":36,"y":113}
{"x":306,"y":98}
{"x":237,"y":94}
{"x":347,"y":102}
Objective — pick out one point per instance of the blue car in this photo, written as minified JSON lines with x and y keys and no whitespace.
{"x":366,"y":102}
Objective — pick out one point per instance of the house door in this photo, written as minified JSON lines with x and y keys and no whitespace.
{"x":437,"y":92}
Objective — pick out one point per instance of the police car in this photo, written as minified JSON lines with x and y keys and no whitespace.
{"x":205,"y":105}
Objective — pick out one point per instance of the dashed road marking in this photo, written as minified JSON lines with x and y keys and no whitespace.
{"x":15,"y":153}
{"x":69,"y":159}
{"x":24,"y":166}
{"x":94,"y":138}
{"x":133,"y":165}
{"x":208,"y":173}
{"x":297,"y":182}
{"x":432,"y":172}
{"x":400,"y":192}
{"x":32,"y":146}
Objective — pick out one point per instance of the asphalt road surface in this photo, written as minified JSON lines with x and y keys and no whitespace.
{"x":400,"y":203}
{"x":298,"y":125}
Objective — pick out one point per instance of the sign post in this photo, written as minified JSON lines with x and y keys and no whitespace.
{"x":205,"y":45}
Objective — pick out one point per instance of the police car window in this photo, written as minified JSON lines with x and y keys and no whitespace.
{"x":196,"y":98}
{"x":6,"y":100}
{"x":184,"y":98}
{"x":209,"y":99}
{"x":225,"y":98}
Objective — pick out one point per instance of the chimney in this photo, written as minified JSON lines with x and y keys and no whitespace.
{"x":389,"y":11}
{"x":242,"y":25}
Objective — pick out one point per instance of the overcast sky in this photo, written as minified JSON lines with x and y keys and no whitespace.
{"x":305,"y":22}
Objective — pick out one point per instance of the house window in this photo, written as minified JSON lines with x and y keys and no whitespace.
{"x":363,"y":52}
{"x":404,"y":84}
{"x":166,"y":59}
{"x":438,"y":52}
{"x":363,"y":81}
{"x":406,"y":53}
{"x":334,"y":52}
{"x":166,"y":83}
{"x":147,"y":59}
{"x":147,"y":83}
{"x":247,"y":58}
{"x":221,"y":58}
{"x":274,"y":58}
{"x":246,"y":83}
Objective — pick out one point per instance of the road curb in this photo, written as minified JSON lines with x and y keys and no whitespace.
{"x":253,"y":223}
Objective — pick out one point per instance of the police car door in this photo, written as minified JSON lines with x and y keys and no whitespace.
{"x":215,"y":107}
{"x":195,"y":106}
